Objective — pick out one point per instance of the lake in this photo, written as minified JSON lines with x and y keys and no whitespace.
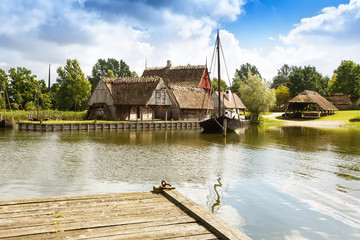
{"x":269,"y":182}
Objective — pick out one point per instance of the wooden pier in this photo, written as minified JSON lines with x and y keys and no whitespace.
{"x":94,"y":126}
{"x":161,"y":214}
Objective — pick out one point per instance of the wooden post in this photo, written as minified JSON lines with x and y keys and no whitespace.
{"x":141,"y":113}
{"x":224,"y":126}
{"x":165,"y":114}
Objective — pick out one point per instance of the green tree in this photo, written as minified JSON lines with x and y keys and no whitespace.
{"x":282,"y":95}
{"x":307,"y":78}
{"x":73,"y":89}
{"x":347,"y":80}
{"x":110,"y":74}
{"x":256,"y":96}
{"x":241,"y":74}
{"x":24,"y":88}
{"x":282,"y":77}
{"x":214,"y":84}
{"x":134,"y":74}
{"x":101,"y":68}
{"x":3,"y":78}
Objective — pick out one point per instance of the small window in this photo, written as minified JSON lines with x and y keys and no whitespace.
{"x":158,"y":97}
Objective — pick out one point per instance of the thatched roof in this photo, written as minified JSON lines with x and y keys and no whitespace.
{"x":191,"y":98}
{"x":132,"y":91}
{"x":310,"y":97}
{"x":235,"y":103}
{"x":339,"y":99}
{"x":186,"y":76}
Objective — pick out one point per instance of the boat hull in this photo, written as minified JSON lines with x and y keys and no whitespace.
{"x":6,"y":123}
{"x":215,"y":125}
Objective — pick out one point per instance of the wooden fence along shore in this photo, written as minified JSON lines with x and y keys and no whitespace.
{"x":110,"y":126}
{"x":161,"y":214}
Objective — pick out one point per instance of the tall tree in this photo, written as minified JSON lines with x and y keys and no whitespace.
{"x":282,"y":95}
{"x":241,"y":74}
{"x":346,"y":80}
{"x":101,"y":68}
{"x":307,"y":78}
{"x":282,"y":77}
{"x":73,"y":88}
{"x":256,"y":96}
{"x":3,"y":79}
{"x":24,"y":88}
{"x":214,"y":84}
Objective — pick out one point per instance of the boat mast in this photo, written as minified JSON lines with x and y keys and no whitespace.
{"x":49,"y":79}
{"x":219,"y":80}
{"x":37,"y":116}
{"x":4,"y":96}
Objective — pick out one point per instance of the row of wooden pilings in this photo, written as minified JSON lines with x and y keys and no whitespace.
{"x":108,"y":126}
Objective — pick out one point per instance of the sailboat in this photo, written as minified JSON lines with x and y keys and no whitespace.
{"x":220,"y":123}
{"x":5,"y":123}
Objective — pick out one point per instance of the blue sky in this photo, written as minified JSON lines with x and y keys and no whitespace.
{"x":268,"y":34}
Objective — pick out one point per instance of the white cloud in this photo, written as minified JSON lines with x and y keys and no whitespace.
{"x":332,"y":23}
{"x":37,"y":33}
{"x":321,"y":41}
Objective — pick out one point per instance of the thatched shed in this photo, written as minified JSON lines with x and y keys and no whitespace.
{"x":128,"y":98}
{"x":340,"y":101}
{"x":230,"y":102}
{"x":190,"y":103}
{"x":309,"y":104}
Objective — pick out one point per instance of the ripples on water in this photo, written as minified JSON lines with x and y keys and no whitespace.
{"x":271,"y":183}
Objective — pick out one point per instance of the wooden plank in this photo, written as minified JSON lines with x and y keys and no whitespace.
{"x":143,"y":215}
{"x":61,"y":217}
{"x":143,"y":200}
{"x":71,"y":198}
{"x":164,"y":229}
{"x":125,"y":225}
{"x":217,"y":226}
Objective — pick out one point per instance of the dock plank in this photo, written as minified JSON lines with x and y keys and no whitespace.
{"x":145,"y":215}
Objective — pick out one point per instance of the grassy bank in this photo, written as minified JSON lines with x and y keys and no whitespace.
{"x":45,"y":114}
{"x":348,"y":118}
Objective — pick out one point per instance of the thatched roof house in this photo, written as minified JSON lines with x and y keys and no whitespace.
{"x":189,"y":104}
{"x":191,"y":98}
{"x":127,"y":98}
{"x":309,"y":104}
{"x":184,"y":76}
{"x":189,"y":87}
{"x":340,"y":101}
{"x":230,"y":102}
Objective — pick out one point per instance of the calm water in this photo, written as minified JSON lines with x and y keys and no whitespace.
{"x":273,"y":183}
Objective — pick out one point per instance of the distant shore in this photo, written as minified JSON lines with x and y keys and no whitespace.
{"x":274,"y":118}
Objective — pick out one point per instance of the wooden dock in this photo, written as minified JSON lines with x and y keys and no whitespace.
{"x":108,"y":126}
{"x":146,"y":215}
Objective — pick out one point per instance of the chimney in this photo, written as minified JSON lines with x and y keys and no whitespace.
{"x":228,"y":95}
{"x":168,"y":65}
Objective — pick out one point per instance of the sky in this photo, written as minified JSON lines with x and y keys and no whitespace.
{"x":264,"y":33}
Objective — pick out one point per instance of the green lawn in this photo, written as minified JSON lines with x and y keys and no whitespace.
{"x":342,"y":116}
{"x":351,"y":117}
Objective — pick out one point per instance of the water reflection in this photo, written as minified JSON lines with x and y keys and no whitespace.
{"x":214,"y":200}
{"x":271,"y":183}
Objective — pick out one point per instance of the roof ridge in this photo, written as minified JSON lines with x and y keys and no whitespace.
{"x":182,"y":67}
{"x":131,"y":79}
{"x":185,"y":89}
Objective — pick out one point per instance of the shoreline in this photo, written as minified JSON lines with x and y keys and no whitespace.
{"x":307,"y":123}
